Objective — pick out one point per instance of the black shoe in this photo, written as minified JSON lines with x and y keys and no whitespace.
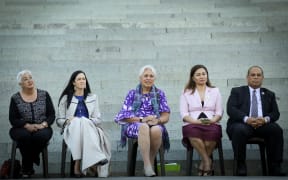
{"x":25,"y":176}
{"x":276,"y":171}
{"x":241,"y":169}
{"x":280,"y":174}
{"x":27,"y":173}
{"x":102,"y":162}
{"x":77,"y":175}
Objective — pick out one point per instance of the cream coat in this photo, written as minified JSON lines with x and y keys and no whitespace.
{"x":84,"y":137}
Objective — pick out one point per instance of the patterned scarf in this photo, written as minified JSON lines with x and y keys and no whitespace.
{"x":137,"y":99}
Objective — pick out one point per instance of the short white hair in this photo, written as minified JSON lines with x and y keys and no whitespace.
{"x":21,"y":73}
{"x":147,"y":67}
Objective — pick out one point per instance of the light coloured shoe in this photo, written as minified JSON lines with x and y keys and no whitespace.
{"x":148,"y":172}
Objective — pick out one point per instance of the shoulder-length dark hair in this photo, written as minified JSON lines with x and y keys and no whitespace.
{"x":69,"y":89}
{"x":191,"y":85}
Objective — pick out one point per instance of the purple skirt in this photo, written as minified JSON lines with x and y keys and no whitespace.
{"x":212,"y":132}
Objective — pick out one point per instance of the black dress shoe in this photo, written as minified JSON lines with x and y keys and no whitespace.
{"x":241,"y":169}
{"x":26,"y":176}
{"x":276,"y":172}
{"x":27,"y":173}
{"x":77,"y":175}
{"x":281,"y":174}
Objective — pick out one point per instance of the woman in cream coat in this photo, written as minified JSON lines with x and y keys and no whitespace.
{"x":79,"y":118}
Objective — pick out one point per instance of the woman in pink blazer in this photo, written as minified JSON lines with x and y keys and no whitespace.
{"x":201,"y":110}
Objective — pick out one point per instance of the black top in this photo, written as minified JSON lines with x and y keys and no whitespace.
{"x":21,"y":112}
{"x":202,"y":114}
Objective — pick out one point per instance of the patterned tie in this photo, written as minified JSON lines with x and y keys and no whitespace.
{"x":254,"y":107}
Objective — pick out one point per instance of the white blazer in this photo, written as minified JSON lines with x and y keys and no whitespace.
{"x":91,"y":104}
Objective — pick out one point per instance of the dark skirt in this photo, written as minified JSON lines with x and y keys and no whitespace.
{"x":211,"y":132}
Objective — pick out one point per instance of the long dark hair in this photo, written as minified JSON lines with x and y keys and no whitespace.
{"x":69,"y":89}
{"x":191,"y":85}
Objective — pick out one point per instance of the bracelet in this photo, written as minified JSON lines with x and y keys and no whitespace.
{"x":65,"y":123}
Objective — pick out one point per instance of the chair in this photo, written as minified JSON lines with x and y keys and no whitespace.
{"x":189,"y":155}
{"x":44,"y":159}
{"x":262,"y":146}
{"x":63,"y":161}
{"x":132,"y":154}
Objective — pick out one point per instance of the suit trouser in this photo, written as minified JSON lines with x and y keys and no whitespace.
{"x":30,"y":144}
{"x":272,"y":133}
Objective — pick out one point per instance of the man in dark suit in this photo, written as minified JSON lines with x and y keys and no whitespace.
{"x":253,"y":111}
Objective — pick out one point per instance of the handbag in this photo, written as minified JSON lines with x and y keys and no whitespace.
{"x":6,"y":168}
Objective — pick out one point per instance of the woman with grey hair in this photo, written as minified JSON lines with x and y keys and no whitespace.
{"x":143,"y":115}
{"x":31,"y":114}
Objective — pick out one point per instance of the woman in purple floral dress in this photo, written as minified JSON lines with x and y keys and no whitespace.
{"x":143,"y":115}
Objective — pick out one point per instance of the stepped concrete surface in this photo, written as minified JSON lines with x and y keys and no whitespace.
{"x":111,"y":39}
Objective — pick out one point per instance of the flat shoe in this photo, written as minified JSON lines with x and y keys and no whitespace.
{"x":148,"y":172}
{"x":24,"y":176}
{"x":27,"y":173}
{"x":149,"y":175}
{"x":78,"y":175}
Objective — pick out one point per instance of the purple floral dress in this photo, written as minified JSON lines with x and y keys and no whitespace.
{"x":145,"y":109}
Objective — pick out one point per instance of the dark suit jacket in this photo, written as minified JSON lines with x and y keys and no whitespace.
{"x":238,"y":105}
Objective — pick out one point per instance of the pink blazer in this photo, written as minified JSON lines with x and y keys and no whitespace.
{"x":190,"y":104}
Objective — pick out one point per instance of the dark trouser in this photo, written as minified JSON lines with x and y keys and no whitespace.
{"x":272,"y":133}
{"x":30,"y":144}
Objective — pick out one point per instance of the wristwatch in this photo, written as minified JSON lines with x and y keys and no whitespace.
{"x":44,"y":124}
{"x":141,"y":118}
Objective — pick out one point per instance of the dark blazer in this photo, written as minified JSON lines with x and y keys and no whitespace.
{"x":238,"y":105}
